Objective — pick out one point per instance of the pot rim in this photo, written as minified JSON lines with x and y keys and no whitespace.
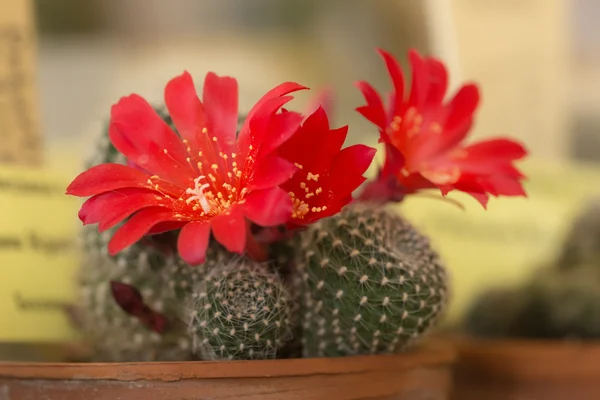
{"x":529,"y":359}
{"x":427,"y":355}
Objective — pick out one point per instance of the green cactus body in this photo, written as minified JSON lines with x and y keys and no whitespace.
{"x":164,"y":282}
{"x":113,"y":334}
{"x":283,"y":256}
{"x":371,"y":283}
{"x":240,"y":311}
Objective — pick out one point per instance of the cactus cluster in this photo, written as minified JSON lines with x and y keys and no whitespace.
{"x":561,"y":300}
{"x":361,"y":282}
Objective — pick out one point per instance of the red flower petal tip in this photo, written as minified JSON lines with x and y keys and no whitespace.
{"x":424,"y":136}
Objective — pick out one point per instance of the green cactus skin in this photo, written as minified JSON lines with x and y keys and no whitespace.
{"x":283,"y":256}
{"x":164,"y":282}
{"x":372,"y":284}
{"x":240,"y":311}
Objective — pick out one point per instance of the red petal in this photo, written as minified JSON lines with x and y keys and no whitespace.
{"x":438,"y":82}
{"x":300,"y":148}
{"x":374,"y":111}
{"x":504,"y":186}
{"x":420,"y":80}
{"x":220,"y":97}
{"x":268,"y":207}
{"x":258,"y":125}
{"x":105,"y":177}
{"x":459,"y":117}
{"x":397,"y":76}
{"x":415,"y":182}
{"x":163,"y":227}
{"x":137,"y":226}
{"x":468,"y":184}
{"x":230,"y":230}
{"x":270,"y":172}
{"x":110,"y":208}
{"x":193,"y":241}
{"x":278,"y":91}
{"x":137,"y":125}
{"x":496,"y":149}
{"x":280,"y":128}
{"x":394,"y":161}
{"x":348,"y":168}
{"x":119,"y":209}
{"x":153,"y":159}
{"x":461,"y":108}
{"x":383,"y":190}
{"x":482,"y":198}
{"x":186,"y":110}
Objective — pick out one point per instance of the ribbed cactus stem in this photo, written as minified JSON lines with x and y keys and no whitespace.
{"x":372,"y":284}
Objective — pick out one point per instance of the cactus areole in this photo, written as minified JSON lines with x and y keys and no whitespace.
{"x":227,"y":236}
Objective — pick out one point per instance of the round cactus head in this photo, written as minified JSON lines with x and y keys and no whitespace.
{"x":240,"y":311}
{"x":372,"y":284}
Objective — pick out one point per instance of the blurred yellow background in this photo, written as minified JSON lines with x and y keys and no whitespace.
{"x":537,"y":63}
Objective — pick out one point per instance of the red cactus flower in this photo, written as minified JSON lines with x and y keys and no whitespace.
{"x":201,"y":179}
{"x":327,"y":174}
{"x":423,"y":137}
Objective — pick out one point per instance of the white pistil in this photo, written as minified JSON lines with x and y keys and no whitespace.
{"x":197,"y":193}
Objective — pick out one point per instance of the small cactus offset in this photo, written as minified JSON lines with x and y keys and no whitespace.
{"x":372,"y":284}
{"x":240,"y":311}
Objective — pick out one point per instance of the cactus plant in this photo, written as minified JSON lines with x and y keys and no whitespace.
{"x":372,"y":284}
{"x":356,"y":278}
{"x":170,"y":286}
{"x":240,"y":311}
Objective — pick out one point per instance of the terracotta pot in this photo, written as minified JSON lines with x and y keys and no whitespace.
{"x":526,"y":370}
{"x":424,"y":374}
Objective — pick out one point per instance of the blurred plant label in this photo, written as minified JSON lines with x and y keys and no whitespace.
{"x":506,"y":242}
{"x":19,"y":114}
{"x":38,"y":258}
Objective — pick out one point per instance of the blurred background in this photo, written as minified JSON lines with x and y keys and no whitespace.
{"x":536,"y":60}
{"x":537,"y":63}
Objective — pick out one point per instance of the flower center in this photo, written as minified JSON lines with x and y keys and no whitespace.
{"x":197,"y":193}
{"x":301,"y":203}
